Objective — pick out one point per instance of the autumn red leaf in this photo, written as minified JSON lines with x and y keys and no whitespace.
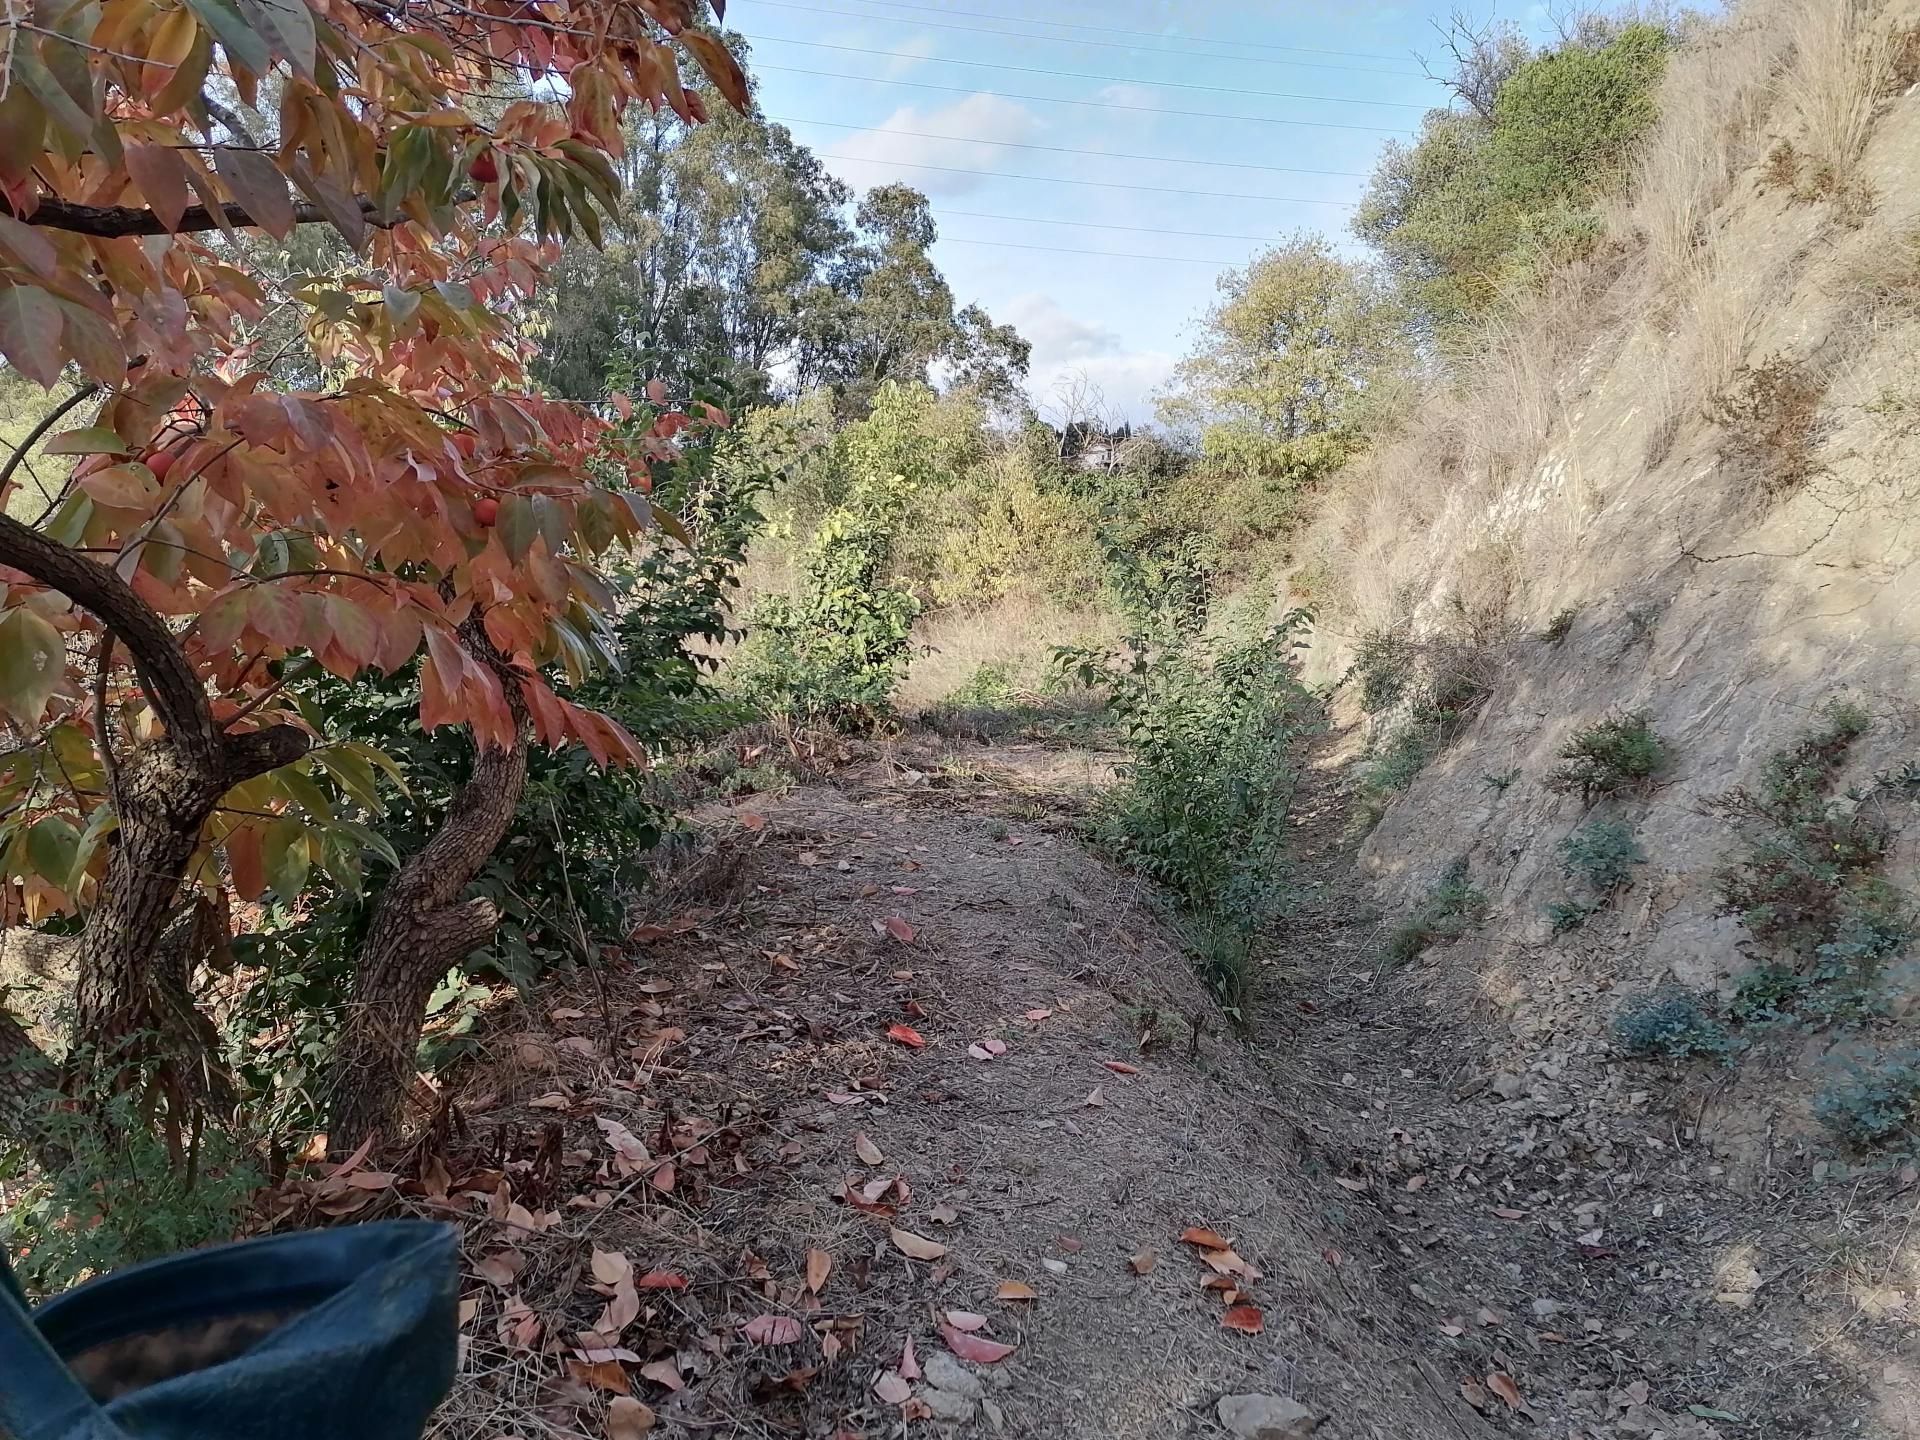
{"x":1244,"y":1318}
{"x":916,"y":1247}
{"x":600,"y":1375}
{"x":892,"y":1389}
{"x":819,"y":1267}
{"x":1120,"y":1067}
{"x":975,"y":1349}
{"x":1502,"y":1384}
{"x":869,"y":1153}
{"x":898,"y":928}
{"x":665,"y":1373}
{"x":773,"y":1330}
{"x":661,"y":1280}
{"x":966,"y":1321}
{"x":1204,"y":1238}
{"x":1143,"y":1263}
{"x":909,"y":1362}
{"x":907,"y":1036}
{"x":1016,"y":1290}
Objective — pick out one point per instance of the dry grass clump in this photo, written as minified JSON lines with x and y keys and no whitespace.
{"x":1842,"y":60}
{"x":1769,"y":421}
{"x":1883,"y":280}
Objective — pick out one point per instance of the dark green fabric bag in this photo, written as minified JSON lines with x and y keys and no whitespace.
{"x":346,"y":1334}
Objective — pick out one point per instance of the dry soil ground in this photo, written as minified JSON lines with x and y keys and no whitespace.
{"x":892,"y":1048}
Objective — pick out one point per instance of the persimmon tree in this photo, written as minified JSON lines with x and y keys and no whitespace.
{"x":213,"y":530}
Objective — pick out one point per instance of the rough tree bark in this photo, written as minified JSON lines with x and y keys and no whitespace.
{"x":421,"y":928}
{"x":162,"y":793}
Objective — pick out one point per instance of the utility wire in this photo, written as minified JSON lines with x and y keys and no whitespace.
{"x":1162,"y":39}
{"x":1095,"y":184}
{"x":1093,"y":254}
{"x":1089,"y":104}
{"x":1085,"y":75}
{"x":1071,"y":150}
{"x":1099,"y":225}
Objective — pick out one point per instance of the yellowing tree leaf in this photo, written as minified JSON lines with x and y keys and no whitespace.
{"x":628,"y":1419}
{"x":819,"y":1267}
{"x":868,"y":1152}
{"x":917,"y":1247}
{"x":32,"y":661}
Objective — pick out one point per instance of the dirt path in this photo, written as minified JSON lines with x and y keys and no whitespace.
{"x":1464,"y":1220}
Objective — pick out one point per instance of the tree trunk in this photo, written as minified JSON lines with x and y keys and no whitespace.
{"x":421,"y":929}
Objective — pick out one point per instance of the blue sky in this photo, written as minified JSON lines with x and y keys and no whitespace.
{"x":964,"y":68}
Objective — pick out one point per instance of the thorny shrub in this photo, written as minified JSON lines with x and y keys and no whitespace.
{"x":1612,"y":755}
{"x":1211,"y":727}
{"x":1769,"y":420}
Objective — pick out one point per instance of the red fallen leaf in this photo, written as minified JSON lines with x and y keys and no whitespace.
{"x":1205,"y":1239}
{"x":898,"y":928}
{"x":751,"y":821}
{"x":1332,"y":1256}
{"x":869,"y":1153}
{"x":892,"y":1389}
{"x":907,"y":1036}
{"x":1072,"y":1244}
{"x":660,"y":1280}
{"x":663,"y":1178}
{"x":601,"y":1375}
{"x":1120,"y":1067}
{"x":909,"y":1362}
{"x":1501,"y":1384}
{"x":973,"y":1349}
{"x":1038,"y":1015}
{"x":917,"y":1247}
{"x":1474,"y":1393}
{"x":1244,"y":1318}
{"x":819,"y":1266}
{"x":773,"y":1330}
{"x":965,"y":1321}
{"x":995,"y":1048}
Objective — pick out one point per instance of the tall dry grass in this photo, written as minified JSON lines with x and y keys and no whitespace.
{"x":1843,"y":56}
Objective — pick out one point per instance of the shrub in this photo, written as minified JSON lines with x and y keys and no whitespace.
{"x":1872,"y":1104}
{"x":1670,"y":1023}
{"x":1560,"y":626}
{"x":1601,"y":854}
{"x":1769,"y":420}
{"x":1453,"y":907}
{"x":1210,"y":727}
{"x":1613,"y":755}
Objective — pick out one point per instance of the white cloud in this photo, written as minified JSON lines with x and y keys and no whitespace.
{"x":896,"y":149}
{"x":909,"y":55}
{"x":1071,"y":355}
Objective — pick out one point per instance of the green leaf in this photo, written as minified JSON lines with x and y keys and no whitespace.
{"x":375,"y":756}
{"x":32,"y":74}
{"x":52,"y":844}
{"x":32,"y":660}
{"x":287,"y":26}
{"x":401,"y":303}
{"x":353,"y":774}
{"x":101,"y":823}
{"x":69,"y":523}
{"x":304,"y":793}
{"x":90,"y":440}
{"x":283,"y":850}
{"x":517,"y":526}
{"x":30,"y":331}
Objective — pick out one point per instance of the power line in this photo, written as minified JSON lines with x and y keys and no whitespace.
{"x":1109,"y":30}
{"x":1095,"y":184}
{"x":1071,"y":150}
{"x":1083,"y":75}
{"x":1097,"y":225}
{"x":1093,"y":254}
{"x":1089,"y":104}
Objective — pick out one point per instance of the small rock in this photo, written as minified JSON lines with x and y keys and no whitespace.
{"x":996,"y":1417}
{"x":943,"y":1372}
{"x":946,"y":1405}
{"x":1265,"y":1417}
{"x":1507,"y":1085}
{"x":1544,"y":1308}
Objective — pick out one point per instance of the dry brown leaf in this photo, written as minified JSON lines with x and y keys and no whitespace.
{"x":610,"y":1267}
{"x":909,"y":1362}
{"x":1016,"y":1290}
{"x":1120,"y":1067}
{"x":1038,"y":1015}
{"x":628,"y":1419}
{"x":1346,"y":1182}
{"x":501,"y":1268}
{"x":966,"y":1320}
{"x":916,"y":1246}
{"x":1244,"y":1318}
{"x":773,"y":1330}
{"x":622,"y":1310}
{"x":1143,"y":1263}
{"x":665,"y":1373}
{"x":819,"y":1266}
{"x":1501,"y":1384}
{"x":869,"y":1153}
{"x":892,"y":1389}
{"x":1474,"y":1393}
{"x":974,"y":1349}
{"x":600,"y":1374}
{"x":944,"y":1214}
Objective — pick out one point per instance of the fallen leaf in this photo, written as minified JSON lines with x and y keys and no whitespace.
{"x":1094,"y":1099}
{"x":944,"y":1214}
{"x":868,"y":1152}
{"x":626,"y":1145}
{"x":1120,"y":1067}
{"x":664,"y":1373}
{"x":892,"y":1389}
{"x":1054,"y":1267}
{"x":1205,"y":1239}
{"x":819,"y":1266}
{"x":909,"y":1362}
{"x":602,"y":1354}
{"x":1505,"y":1214}
{"x":628,"y":1419}
{"x":1227,"y":1262}
{"x":1016,"y":1290}
{"x":1038,"y":1015}
{"x":661,"y":1280}
{"x":966,"y":1320}
{"x":622,"y":1310}
{"x":1072,"y":1244}
{"x":773,"y":1330}
{"x":1347,"y":1182}
{"x":1474,"y":1393}
{"x":916,"y":1246}
{"x":610,"y":1267}
{"x":1501,"y":1384}
{"x":601,"y":1375}
{"x":663,"y":1177}
{"x":1143,"y":1263}
{"x":899,"y":929}
{"x":995,"y":1048}
{"x":974,"y":1349}
{"x":907,"y":1036}
{"x":1707,"y":1412}
{"x":502,"y":1268}
{"x":372,"y":1179}
{"x":1244,"y":1318}
{"x":552,"y":1100}
{"x":750,"y":821}
{"x":979,"y":1052}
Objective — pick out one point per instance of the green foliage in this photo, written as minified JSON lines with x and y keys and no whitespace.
{"x":1670,"y":1023}
{"x":1454,"y":906}
{"x":1560,"y":626}
{"x":1210,"y":728}
{"x":1872,"y":1104}
{"x":1601,"y":854}
{"x":1495,"y":194}
{"x":1615,"y":754}
{"x":126,"y":1193}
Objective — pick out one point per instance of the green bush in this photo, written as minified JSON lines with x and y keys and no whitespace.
{"x":128,"y":1191}
{"x":1601,"y":854}
{"x":1211,"y":729}
{"x":1613,"y":755}
{"x":1670,"y":1023}
{"x":1872,"y":1104}
{"x":1453,"y":907}
{"x":1560,"y":626}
